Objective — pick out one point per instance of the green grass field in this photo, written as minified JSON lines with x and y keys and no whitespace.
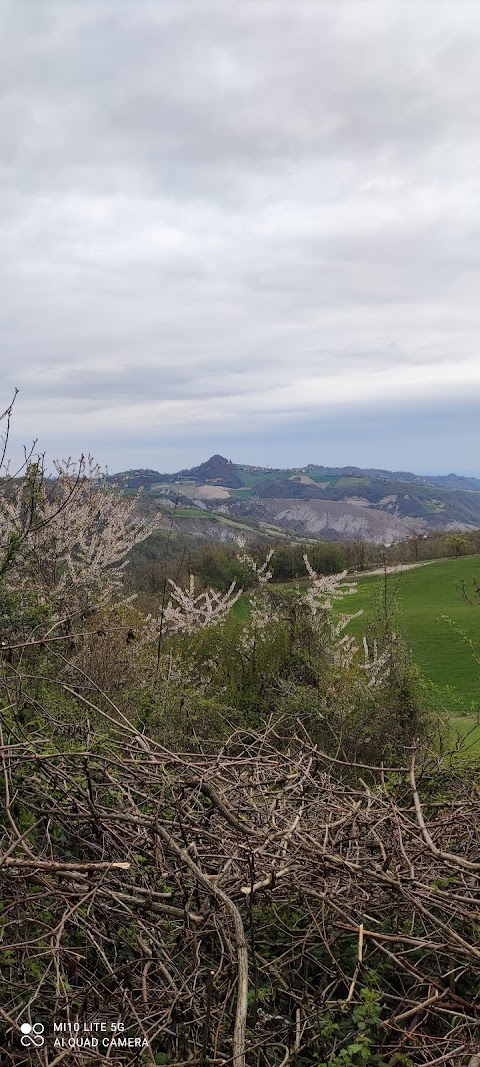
{"x":251,"y":478}
{"x":420,"y":602}
{"x":419,"y":599}
{"x":441,"y":630}
{"x":211,"y":516}
{"x":241,"y":494}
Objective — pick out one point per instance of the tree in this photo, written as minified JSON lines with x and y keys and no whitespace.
{"x":65,"y":540}
{"x":457,"y":543}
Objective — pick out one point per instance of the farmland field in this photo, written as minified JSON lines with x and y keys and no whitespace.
{"x":251,"y":478}
{"x":241,"y":494}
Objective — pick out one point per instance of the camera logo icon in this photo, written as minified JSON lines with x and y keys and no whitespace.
{"x":32,"y":1035}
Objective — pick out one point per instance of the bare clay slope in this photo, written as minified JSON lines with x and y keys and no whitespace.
{"x":331,"y":518}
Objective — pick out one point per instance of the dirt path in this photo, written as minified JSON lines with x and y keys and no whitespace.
{"x":395,"y":569}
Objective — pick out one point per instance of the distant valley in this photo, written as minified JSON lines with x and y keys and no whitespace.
{"x":332,"y":503}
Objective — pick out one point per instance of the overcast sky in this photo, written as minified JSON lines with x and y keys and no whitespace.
{"x":242,"y":226}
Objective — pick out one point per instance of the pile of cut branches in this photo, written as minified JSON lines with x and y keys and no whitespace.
{"x":252,"y":906}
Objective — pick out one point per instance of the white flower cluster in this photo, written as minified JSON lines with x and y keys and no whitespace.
{"x":263,"y":573}
{"x":261,"y":619}
{"x":188,"y":611}
{"x":324,"y":588}
{"x":376,"y":664}
{"x":71,"y":534}
{"x":262,"y":614}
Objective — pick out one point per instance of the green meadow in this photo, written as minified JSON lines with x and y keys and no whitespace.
{"x":428,"y":607}
{"x":436,"y":610}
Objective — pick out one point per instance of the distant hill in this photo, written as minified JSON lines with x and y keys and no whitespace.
{"x":216,"y":470}
{"x":448,"y":481}
{"x":333,"y":502}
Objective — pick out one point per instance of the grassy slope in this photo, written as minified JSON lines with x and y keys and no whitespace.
{"x":264,"y":530}
{"x":212,"y":516}
{"x":251,"y":478}
{"x":419,"y":598}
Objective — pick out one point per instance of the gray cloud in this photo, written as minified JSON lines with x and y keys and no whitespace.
{"x":212,"y":212}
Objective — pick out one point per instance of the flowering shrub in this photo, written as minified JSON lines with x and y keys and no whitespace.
{"x":325,"y":588}
{"x":188,"y":611}
{"x":68,"y":539}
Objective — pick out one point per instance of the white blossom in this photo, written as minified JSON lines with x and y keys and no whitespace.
{"x":70,"y":537}
{"x":376,"y":664}
{"x":322,"y":592}
{"x":263,"y":574}
{"x":188,"y":611}
{"x":324,"y":588}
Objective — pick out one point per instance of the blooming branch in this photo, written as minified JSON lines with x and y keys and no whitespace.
{"x":188,"y":611}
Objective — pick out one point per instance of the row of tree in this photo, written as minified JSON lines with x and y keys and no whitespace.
{"x":166,"y":555}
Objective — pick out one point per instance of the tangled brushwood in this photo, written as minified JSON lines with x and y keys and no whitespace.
{"x":255,"y":905}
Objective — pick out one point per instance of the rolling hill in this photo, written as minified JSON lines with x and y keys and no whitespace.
{"x":316,"y":501}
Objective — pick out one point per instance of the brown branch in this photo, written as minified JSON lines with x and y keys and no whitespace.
{"x":52,"y":867}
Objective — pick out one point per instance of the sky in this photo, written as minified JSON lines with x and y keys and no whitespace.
{"x":242,"y":227}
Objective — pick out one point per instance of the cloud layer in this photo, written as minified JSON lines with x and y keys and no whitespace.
{"x":218,"y":217}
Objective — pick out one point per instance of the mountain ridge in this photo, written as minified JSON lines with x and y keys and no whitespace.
{"x":219,"y":466}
